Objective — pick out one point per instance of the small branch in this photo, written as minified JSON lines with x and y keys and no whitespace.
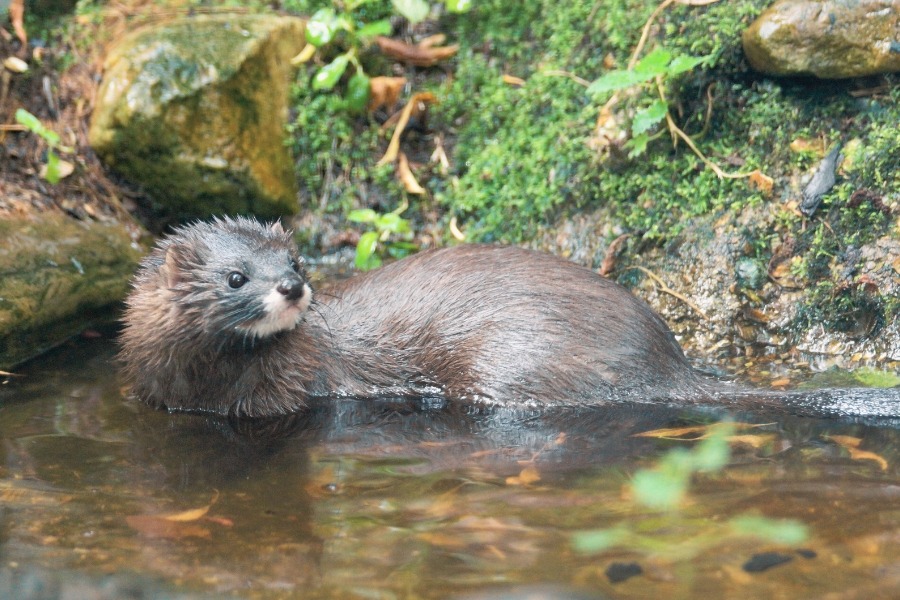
{"x":664,"y":288}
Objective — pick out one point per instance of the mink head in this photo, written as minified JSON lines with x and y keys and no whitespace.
{"x":229,"y":278}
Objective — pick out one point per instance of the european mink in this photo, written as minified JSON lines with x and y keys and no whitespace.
{"x":222,"y":319}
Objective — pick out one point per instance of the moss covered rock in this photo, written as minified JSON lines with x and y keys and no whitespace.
{"x":57,"y":276}
{"x":830,"y":39}
{"x":194,"y":110}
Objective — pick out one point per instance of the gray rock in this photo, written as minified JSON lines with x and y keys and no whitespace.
{"x":831,"y":39}
{"x":194,"y":110}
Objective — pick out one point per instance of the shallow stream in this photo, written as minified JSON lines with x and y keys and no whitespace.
{"x":101,"y":497}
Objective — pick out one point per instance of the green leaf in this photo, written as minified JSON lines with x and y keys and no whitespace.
{"x":362,"y":215}
{"x":778,"y":531}
{"x":52,"y":174}
{"x":393,"y":223}
{"x":658,"y":489}
{"x":646,"y":118}
{"x":598,"y":540}
{"x":680,"y":64}
{"x":458,"y":6}
{"x":619,"y":79}
{"x":358,"y":92}
{"x":34,"y":125}
{"x":654,"y":63}
{"x":370,"y":30}
{"x":366,"y":258}
{"x":321,"y":27}
{"x":329,"y":75}
{"x":713,"y":453}
{"x":401,"y":249}
{"x":414,"y":10}
{"x":638,"y":145}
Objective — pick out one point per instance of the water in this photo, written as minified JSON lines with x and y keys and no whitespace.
{"x":101,"y":497}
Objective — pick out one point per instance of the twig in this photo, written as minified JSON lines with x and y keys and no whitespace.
{"x":664,"y":288}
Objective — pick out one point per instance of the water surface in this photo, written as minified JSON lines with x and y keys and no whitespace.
{"x":102,"y":497}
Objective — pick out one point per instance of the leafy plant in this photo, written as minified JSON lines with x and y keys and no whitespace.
{"x":327,"y":24}
{"x":664,"y":486}
{"x":56,"y":168}
{"x":650,"y":71}
{"x":386,"y":225}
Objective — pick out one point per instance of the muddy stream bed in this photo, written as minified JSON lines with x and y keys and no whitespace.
{"x":101,"y":497}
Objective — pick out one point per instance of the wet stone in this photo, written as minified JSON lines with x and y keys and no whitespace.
{"x":830,"y":40}
{"x":765,"y":561}
{"x":618,"y":572}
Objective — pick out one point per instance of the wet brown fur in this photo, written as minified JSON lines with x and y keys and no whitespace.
{"x":472,"y":322}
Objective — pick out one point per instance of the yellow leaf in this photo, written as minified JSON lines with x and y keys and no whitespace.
{"x":513,"y":80}
{"x":527,"y":476}
{"x":406,"y":177}
{"x":394,"y":146}
{"x":851,"y":444}
{"x":187,"y":515}
{"x":307,"y":53}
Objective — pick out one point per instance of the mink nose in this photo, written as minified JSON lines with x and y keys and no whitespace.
{"x":290,"y":288}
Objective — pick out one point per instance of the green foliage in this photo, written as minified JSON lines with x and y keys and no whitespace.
{"x":386,"y":225}
{"x":664,"y":486}
{"x":34,"y":125}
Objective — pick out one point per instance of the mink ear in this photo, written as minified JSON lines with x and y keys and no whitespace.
{"x":276,"y":228}
{"x":172,"y":271}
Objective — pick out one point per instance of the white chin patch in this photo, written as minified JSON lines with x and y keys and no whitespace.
{"x":281,"y":314}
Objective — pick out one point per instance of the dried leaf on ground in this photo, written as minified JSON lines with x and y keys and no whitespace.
{"x":762,"y":182}
{"x":384,"y":92}
{"x":418,"y":103}
{"x":406,"y":177}
{"x":17,"y":18}
{"x":424,"y":54}
{"x":513,"y":80}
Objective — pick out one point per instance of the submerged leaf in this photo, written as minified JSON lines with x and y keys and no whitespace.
{"x":778,"y":531}
{"x":598,"y":540}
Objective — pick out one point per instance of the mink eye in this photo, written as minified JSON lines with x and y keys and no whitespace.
{"x":236,"y":279}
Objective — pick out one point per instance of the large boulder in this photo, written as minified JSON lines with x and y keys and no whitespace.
{"x":831,"y":39}
{"x":194,"y":110}
{"x":58,"y":276}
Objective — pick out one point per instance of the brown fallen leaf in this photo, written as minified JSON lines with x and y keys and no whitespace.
{"x":704,"y":430}
{"x":155,"y":526}
{"x":851,"y":444}
{"x":191,"y":514}
{"x":17,"y":18}
{"x":761,"y":181}
{"x":612,"y":251}
{"x":526,"y":476}
{"x":406,"y":177}
{"x":424,"y":54}
{"x":414,"y":104}
{"x":384,"y":92}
